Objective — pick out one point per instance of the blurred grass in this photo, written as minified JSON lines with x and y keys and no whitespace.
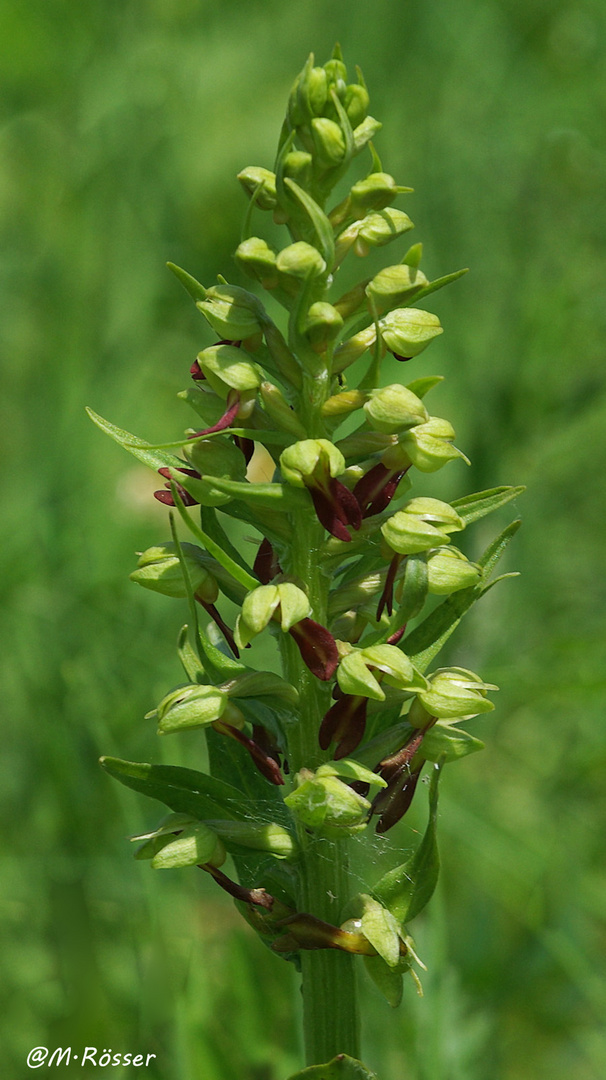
{"x":122,"y":128}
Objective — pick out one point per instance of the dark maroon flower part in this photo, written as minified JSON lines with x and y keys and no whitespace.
{"x":166,"y":497}
{"x":220,"y":622}
{"x":375,"y":490}
{"x":247,"y":446}
{"x":317,"y":647}
{"x":266,"y":565}
{"x":225,"y":421}
{"x":266,"y":763}
{"x":336,"y":507}
{"x":386,"y":599}
{"x":402,"y":359}
{"x":250,"y":896}
{"x":396,"y":636}
{"x":344,"y":723}
{"x":393,"y":801}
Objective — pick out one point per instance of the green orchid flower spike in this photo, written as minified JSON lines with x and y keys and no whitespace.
{"x":306,"y":686}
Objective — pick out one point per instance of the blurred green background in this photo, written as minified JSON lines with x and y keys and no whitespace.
{"x":123,"y":124}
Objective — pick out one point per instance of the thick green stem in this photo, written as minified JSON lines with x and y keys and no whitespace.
{"x":330,"y":1009}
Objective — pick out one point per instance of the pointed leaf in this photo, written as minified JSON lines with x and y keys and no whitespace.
{"x":318,"y":218}
{"x":140,"y":449}
{"x":193,"y":287}
{"x":214,"y":549}
{"x":407,"y":889}
{"x":472,"y":507}
{"x":426,"y":640}
{"x":185,"y":791}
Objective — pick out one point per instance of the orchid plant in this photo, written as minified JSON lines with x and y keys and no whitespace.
{"x":342,"y":554}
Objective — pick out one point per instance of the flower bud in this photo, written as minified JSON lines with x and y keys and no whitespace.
{"x":260,"y":606}
{"x":197,"y":845}
{"x":407,"y":331}
{"x":327,"y":805}
{"x":429,"y":446}
{"x":258,"y":260}
{"x":159,"y":569}
{"x":229,"y":368}
{"x":233,"y":313}
{"x":335,"y":69}
{"x":323,"y":325}
{"x":356,"y":103}
{"x":408,"y":533}
{"x":364,"y":132}
{"x":380,"y":228}
{"x":394,"y":285}
{"x":448,"y":571}
{"x":303,"y":460}
{"x":298,"y":166}
{"x":352,"y":301}
{"x":342,"y":404}
{"x":190,"y":706}
{"x":328,"y":142}
{"x":355,"y":672}
{"x":255,"y":179}
{"x":438,"y":513}
{"x":300,"y":260}
{"x":258,"y":836}
{"x":214,"y":457}
{"x":394,"y":408}
{"x":375,"y":192}
{"x":352,"y":349}
{"x":453,"y":693}
{"x":278,"y":409}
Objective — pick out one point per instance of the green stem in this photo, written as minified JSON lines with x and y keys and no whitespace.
{"x":330,"y":1008}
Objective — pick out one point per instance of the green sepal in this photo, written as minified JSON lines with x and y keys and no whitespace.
{"x":377,"y":924}
{"x":426,"y":640}
{"x":388,"y":980}
{"x":196,"y":845}
{"x":444,"y":743}
{"x":185,"y":791}
{"x":139,"y":448}
{"x":268,"y":836}
{"x":472,"y":507}
{"x":351,"y":770}
{"x":193,"y":287}
{"x":408,"y":888}
{"x":341,"y":1067}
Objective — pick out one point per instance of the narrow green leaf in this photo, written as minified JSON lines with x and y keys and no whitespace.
{"x":155,"y":458}
{"x":408,"y":888}
{"x":276,"y":497}
{"x":439,"y":283}
{"x":189,"y":658}
{"x":426,"y":640}
{"x":193,"y":287}
{"x":320,"y":222}
{"x":213,"y":548}
{"x":342,"y":1067}
{"x":185,"y":791}
{"x":472,"y":507}
{"x":277,"y":438}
